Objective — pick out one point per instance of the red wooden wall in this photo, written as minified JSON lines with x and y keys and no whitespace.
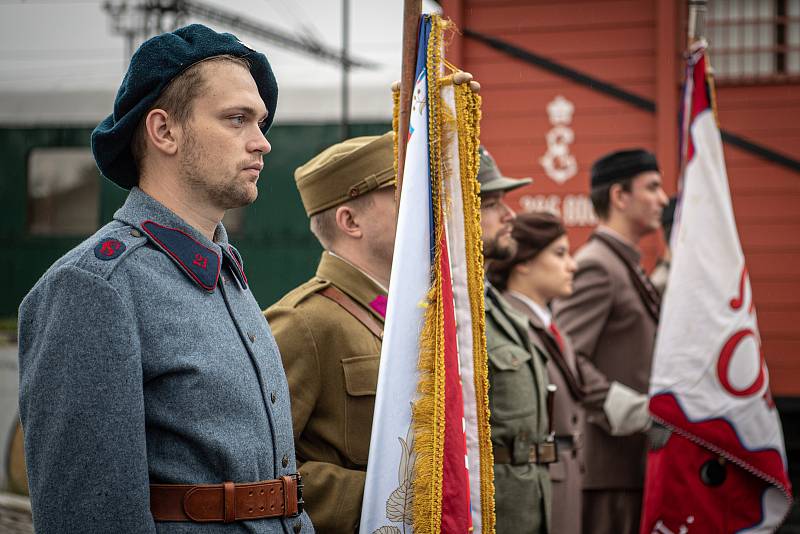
{"x":637,"y":45}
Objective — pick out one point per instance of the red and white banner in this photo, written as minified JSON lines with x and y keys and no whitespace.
{"x":723,"y":469}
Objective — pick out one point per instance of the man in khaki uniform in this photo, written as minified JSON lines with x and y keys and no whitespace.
{"x":611,"y":318}
{"x":329,"y":329}
{"x":517,"y":379}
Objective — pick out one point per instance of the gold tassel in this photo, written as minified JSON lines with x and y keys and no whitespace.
{"x":468,"y":114}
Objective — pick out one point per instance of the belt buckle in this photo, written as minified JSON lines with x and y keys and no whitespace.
{"x":300,"y":503}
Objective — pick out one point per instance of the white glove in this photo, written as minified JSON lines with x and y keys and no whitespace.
{"x":626,"y":410}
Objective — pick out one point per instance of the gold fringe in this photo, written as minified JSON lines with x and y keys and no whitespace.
{"x":468,"y":115}
{"x":396,"y":136}
{"x":428,"y":410}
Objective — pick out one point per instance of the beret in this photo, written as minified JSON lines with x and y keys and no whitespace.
{"x":533,"y":233}
{"x":345,"y":171}
{"x":621,"y":165}
{"x":490,"y":178}
{"x":153,"y":66}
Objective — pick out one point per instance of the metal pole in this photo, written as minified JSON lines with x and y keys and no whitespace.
{"x":697,"y":20}
{"x":344,"y":130}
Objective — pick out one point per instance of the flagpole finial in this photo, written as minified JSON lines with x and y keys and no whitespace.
{"x":697,"y":20}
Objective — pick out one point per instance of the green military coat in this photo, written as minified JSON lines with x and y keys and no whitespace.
{"x":331,"y":361}
{"x":517,"y":401}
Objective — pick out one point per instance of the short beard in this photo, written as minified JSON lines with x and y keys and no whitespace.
{"x":492,"y":250}
{"x":195,"y":174}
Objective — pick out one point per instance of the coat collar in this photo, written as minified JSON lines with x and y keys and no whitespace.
{"x":533,"y":318}
{"x":199,"y":258}
{"x":512,"y":322}
{"x":352,"y":281}
{"x":622,"y":245}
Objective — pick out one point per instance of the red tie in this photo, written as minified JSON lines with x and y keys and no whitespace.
{"x":556,"y":335}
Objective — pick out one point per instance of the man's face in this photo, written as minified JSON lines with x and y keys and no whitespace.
{"x":379,"y":224}
{"x":643,"y":205}
{"x":222,"y":148}
{"x":496,"y":224}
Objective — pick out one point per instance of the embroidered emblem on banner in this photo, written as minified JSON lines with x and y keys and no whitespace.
{"x":108,"y":249}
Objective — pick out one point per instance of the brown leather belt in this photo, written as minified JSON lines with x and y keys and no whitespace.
{"x":227,"y":502}
{"x":540,"y":453}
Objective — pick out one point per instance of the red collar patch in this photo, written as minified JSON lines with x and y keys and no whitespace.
{"x":200,"y":263}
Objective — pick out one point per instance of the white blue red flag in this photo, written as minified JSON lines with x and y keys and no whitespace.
{"x":723,"y":468}
{"x":430,"y":464}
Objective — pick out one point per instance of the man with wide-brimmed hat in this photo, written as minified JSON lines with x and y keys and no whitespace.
{"x":517,"y":378}
{"x":152,"y":395}
{"x":612,"y":317}
{"x":330,"y":328}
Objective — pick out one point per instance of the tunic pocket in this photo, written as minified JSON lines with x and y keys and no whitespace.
{"x":512,"y":388}
{"x":361,"y":383}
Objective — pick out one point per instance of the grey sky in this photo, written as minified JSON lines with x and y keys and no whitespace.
{"x":55,"y":47}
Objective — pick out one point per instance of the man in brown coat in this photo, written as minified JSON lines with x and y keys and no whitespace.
{"x":329,"y":329}
{"x":611,"y":318}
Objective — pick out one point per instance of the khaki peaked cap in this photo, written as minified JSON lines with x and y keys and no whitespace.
{"x":346,"y":171}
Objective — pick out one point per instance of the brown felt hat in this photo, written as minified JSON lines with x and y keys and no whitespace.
{"x":533,"y":233}
{"x":345,"y":171}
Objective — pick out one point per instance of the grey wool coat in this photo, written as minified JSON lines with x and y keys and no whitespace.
{"x":518,"y":406}
{"x":144,"y":358}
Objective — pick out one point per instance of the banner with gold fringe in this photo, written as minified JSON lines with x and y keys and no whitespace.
{"x":430,"y":463}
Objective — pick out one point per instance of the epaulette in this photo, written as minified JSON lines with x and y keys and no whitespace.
{"x":303,"y":291}
{"x":111,"y":249}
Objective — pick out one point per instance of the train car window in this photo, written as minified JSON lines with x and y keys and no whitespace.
{"x":754,"y":40}
{"x":63,"y":192}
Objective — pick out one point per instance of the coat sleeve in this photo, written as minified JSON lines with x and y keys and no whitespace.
{"x":582,"y":316}
{"x":334,"y":493}
{"x":82,"y":407}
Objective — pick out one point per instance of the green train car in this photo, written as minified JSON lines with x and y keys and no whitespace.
{"x":53,"y":197}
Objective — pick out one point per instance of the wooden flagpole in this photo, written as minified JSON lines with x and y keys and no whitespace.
{"x":412,"y":10}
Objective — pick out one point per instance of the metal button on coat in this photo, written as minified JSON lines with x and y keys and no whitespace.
{"x":136,"y":233}
{"x":273,"y":397}
{"x":252,"y":338}
{"x":285,"y":461}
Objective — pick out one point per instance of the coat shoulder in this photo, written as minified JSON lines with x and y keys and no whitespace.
{"x":301,"y":296}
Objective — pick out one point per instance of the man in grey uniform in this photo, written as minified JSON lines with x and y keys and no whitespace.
{"x":151,"y":389}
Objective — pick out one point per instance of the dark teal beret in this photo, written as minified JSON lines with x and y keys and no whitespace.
{"x":621,"y":165}
{"x":152,"y":67}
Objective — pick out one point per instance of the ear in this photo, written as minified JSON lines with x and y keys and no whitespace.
{"x":347,"y":223}
{"x":161,"y":131}
{"x":522,"y":268}
{"x":618,"y":197}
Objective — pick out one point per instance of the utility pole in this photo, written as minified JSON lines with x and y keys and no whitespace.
{"x":344,"y":129}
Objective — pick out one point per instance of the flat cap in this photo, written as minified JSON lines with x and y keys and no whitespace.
{"x":154,"y":65}
{"x":621,"y":165}
{"x":345,"y":171}
{"x":490,"y":178}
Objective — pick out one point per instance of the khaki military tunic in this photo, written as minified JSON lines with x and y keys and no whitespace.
{"x":331,"y":361}
{"x":517,"y":401}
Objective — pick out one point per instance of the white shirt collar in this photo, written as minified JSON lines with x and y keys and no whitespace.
{"x":541,"y":312}
{"x":385,"y":290}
